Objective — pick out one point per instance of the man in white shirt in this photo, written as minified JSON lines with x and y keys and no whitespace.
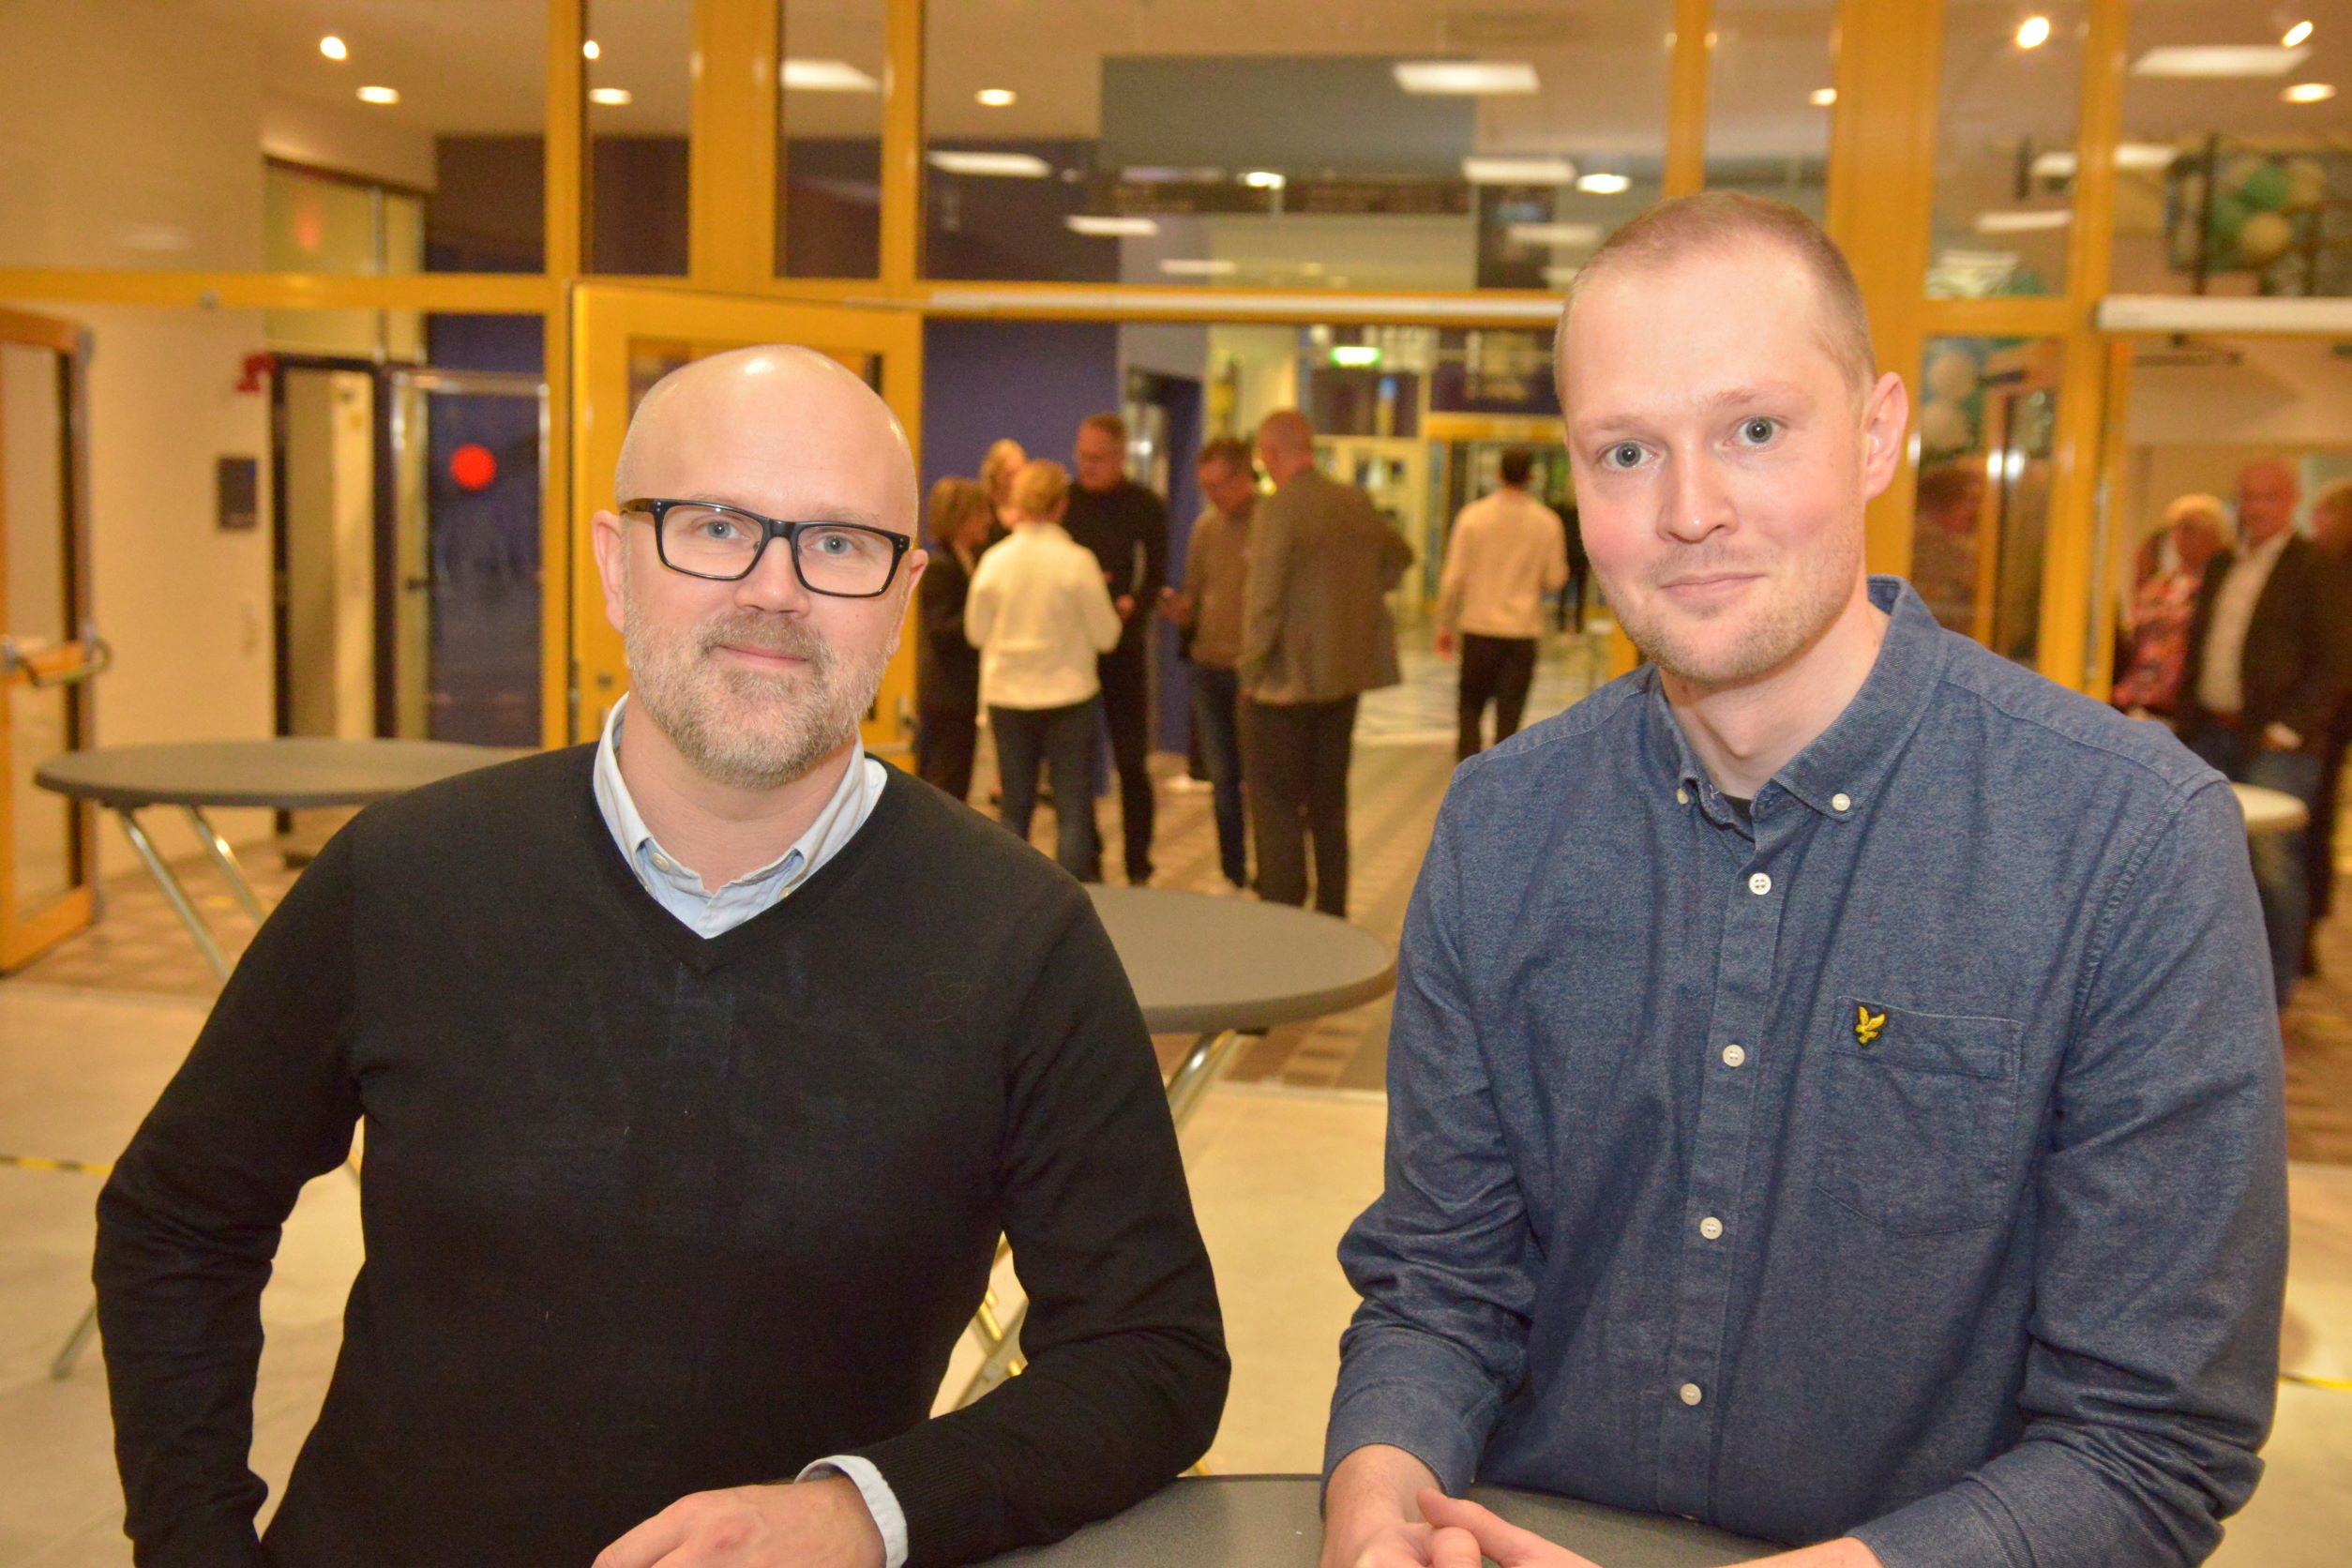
{"x":2269,"y":663}
{"x":1506,"y":552}
{"x":1041,"y":617}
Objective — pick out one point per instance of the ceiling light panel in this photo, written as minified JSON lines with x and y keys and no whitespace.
{"x":1466,"y":77}
{"x":1518,"y":171}
{"x":2221,"y":60}
{"x":1557,"y":235}
{"x":826,"y":76}
{"x":379,"y":95}
{"x":334,"y":48}
{"x":1605,"y":185}
{"x":610,"y":98}
{"x":1111,"y":228}
{"x":1009,"y":166}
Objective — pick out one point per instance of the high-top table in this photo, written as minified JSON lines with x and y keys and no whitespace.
{"x":1217,"y":969}
{"x":283,"y":774}
{"x":1271,"y":1521}
{"x":2269,"y":810}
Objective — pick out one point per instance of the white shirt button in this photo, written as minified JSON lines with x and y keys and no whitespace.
{"x":1841,"y":802}
{"x":1682,"y":797}
{"x":1733,"y":1056}
{"x":1760,"y":884}
{"x":1691,"y":1394}
{"x":1711,"y":1227}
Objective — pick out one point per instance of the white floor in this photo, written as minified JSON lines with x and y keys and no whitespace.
{"x":1276,"y":1176}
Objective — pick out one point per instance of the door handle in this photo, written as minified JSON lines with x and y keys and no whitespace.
{"x":68,"y":664}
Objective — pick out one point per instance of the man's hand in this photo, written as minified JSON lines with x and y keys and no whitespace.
{"x":1124,"y":604}
{"x":1506,"y":1543}
{"x":2282,"y":737}
{"x":1445,"y":645}
{"x":804,"y":1524}
{"x":1368,"y":1516}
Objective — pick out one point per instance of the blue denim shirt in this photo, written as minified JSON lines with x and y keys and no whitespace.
{"x":1910,"y":1166}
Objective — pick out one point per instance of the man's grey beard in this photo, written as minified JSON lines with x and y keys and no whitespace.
{"x":1777,"y":635}
{"x":748,"y":728}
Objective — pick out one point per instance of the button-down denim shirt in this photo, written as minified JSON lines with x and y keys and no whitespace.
{"x":1910,"y":1166}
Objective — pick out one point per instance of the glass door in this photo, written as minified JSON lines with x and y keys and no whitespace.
{"x":48,"y":652}
{"x":625,"y":339}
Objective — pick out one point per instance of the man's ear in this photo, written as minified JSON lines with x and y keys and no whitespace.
{"x":610,"y":540}
{"x":917,"y":559}
{"x":1886,"y":423}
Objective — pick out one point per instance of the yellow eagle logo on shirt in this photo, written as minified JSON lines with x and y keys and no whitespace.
{"x":1867,"y":1024}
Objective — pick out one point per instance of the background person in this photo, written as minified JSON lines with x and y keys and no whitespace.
{"x":1040,"y":616}
{"x":2331,"y":532}
{"x":1507,"y":550}
{"x":1315,"y":635}
{"x":2163,"y":610}
{"x":1125,"y":525}
{"x":1210,"y":607}
{"x":1003,"y":461}
{"x":2269,"y":663}
{"x":946,"y":666}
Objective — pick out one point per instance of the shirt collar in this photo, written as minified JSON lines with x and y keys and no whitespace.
{"x":842,"y":813}
{"x":1843,"y":770}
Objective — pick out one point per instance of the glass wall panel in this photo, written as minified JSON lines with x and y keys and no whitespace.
{"x":2234,"y":172}
{"x":1411,"y":146}
{"x":141,"y":136}
{"x":828,"y":156}
{"x":2009,"y":95}
{"x":1769,"y":99}
{"x":1986,"y":425}
{"x":641,"y":98}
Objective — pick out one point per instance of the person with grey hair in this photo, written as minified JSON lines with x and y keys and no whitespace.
{"x":2163,"y":608}
{"x":1834,"y":1089}
{"x":702,"y":1068}
{"x":2331,"y":532}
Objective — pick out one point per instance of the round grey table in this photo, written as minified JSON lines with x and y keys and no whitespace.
{"x":2269,"y":810}
{"x":1271,"y":1521}
{"x":1216,"y":968}
{"x":285,"y":774}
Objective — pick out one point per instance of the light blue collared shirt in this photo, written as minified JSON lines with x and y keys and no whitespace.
{"x":679,"y":889}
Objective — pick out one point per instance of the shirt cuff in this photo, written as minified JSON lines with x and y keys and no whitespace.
{"x":1943,"y":1529}
{"x":881,"y":1502}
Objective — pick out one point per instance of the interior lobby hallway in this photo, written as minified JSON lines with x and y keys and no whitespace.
{"x":1281,"y":1157}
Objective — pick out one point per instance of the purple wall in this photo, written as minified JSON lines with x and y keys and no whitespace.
{"x":1033,"y":381}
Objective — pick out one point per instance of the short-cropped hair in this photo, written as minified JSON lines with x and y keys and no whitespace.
{"x":1109,"y":424}
{"x":954,"y":499}
{"x":1230,"y":450}
{"x":1039,"y":488}
{"x":1518,"y":463}
{"x":1717,"y":220}
{"x":1003,"y":460}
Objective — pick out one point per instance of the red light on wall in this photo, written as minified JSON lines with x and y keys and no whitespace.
{"x":473,"y":467}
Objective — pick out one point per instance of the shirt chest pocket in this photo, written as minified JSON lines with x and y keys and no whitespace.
{"x":1918,"y":1112}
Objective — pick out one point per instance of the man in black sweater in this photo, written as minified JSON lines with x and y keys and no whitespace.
{"x":701,"y":1069}
{"x":1125,"y":525}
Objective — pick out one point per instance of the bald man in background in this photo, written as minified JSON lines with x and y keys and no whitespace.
{"x":2269,"y":664}
{"x":1315,"y":635}
{"x":702,"y":1068}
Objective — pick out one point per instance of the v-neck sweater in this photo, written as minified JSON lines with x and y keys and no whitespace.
{"x":647,"y":1212}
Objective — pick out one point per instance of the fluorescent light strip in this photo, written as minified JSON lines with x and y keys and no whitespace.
{"x":1464,"y":78}
{"x":1264,"y":179}
{"x":1555,"y":234}
{"x":610,"y":98}
{"x":379,"y":95}
{"x":2021,"y":222}
{"x":2220,"y":60}
{"x":1199,"y":266}
{"x":1010,"y":166}
{"x":1518,"y":171}
{"x":1111,"y":228}
{"x":826,"y":76}
{"x":1605,"y":185}
{"x":1356,"y":357}
{"x":2309,"y":92}
{"x":2134,"y":157}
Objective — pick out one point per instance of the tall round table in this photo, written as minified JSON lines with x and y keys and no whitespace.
{"x":283,"y":774}
{"x":2269,"y":810}
{"x":1272,"y":1521}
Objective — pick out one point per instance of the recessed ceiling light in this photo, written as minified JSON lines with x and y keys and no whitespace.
{"x":2261,"y":59}
{"x":2309,"y":92}
{"x":1263,"y":179}
{"x":379,"y":95}
{"x":1464,"y":78}
{"x":1014,"y":166}
{"x":1823,"y":97}
{"x":1605,"y":185}
{"x":1111,"y":228}
{"x":1555,"y":234}
{"x":2021,"y":222}
{"x":2033,"y":32}
{"x":1518,"y":171}
{"x":611,"y":97}
{"x":2299,"y":33}
{"x":1198,"y":266}
{"x":996,"y":98}
{"x":334,"y":48}
{"x":590,"y":51}
{"x":826,"y":76}
{"x":1355,"y":356}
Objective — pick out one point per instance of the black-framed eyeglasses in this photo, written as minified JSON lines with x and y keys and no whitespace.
{"x":723,"y":544}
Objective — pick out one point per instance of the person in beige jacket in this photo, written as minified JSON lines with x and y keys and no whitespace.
{"x":1315,"y":635}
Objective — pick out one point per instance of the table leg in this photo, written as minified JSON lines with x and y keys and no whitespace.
{"x":226,"y":859}
{"x":173,"y":893}
{"x":1191,"y":1081}
{"x":62,"y":1366}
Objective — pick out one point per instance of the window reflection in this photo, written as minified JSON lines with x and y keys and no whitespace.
{"x":829,"y":119}
{"x":2005,"y":149}
{"x":1769,"y":99}
{"x":1986,"y":429}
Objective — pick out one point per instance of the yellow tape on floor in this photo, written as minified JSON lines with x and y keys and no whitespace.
{"x":75,"y":1168}
{"x":2341,"y":1385}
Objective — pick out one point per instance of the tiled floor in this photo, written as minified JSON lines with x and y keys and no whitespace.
{"x":1280,"y":1159}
